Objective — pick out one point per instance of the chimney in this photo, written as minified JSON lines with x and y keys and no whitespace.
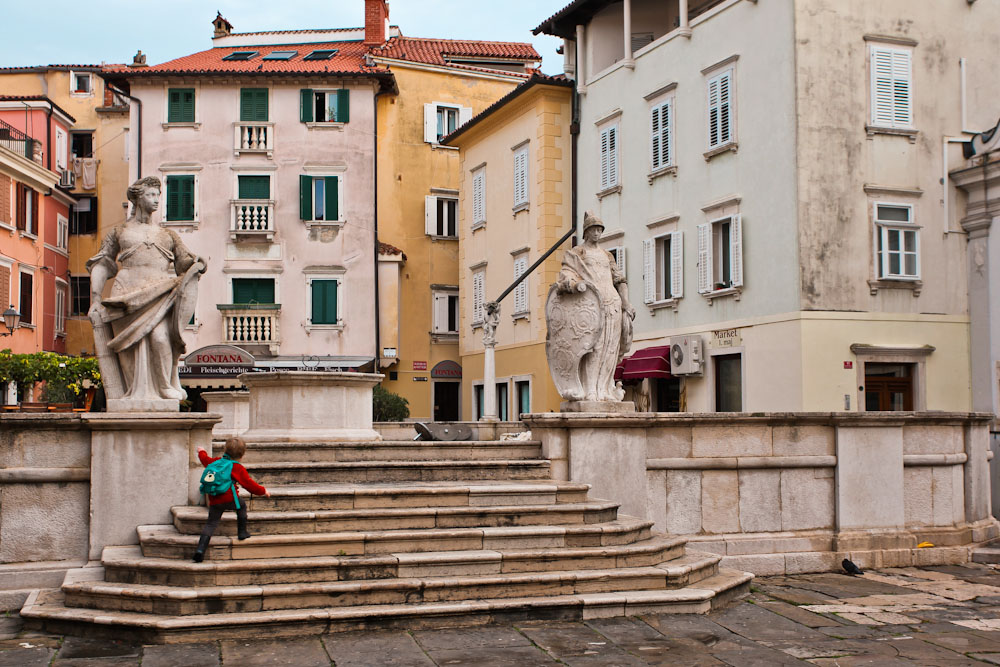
{"x":221,"y":25}
{"x":139,"y":60}
{"x":376,"y":22}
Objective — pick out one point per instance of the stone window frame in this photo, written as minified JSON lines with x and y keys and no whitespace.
{"x":884,"y":354}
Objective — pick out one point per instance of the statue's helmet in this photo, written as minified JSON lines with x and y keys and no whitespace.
{"x":591,"y":220}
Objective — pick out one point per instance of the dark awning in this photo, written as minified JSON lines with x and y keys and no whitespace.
{"x":650,"y":362}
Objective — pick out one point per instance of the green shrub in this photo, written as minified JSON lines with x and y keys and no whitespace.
{"x":389,"y":407}
{"x":63,"y":376}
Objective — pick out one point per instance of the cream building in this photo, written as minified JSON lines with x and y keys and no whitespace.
{"x":775,"y":177}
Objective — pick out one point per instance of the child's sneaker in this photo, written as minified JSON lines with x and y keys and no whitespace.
{"x":199,"y":556}
{"x":244,"y":535}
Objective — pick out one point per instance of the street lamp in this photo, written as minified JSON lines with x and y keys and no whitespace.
{"x":11,"y":319}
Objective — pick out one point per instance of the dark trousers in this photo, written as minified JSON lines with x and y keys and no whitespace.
{"x":215,"y":515}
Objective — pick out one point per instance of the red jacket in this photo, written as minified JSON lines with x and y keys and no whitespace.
{"x":240,"y":476}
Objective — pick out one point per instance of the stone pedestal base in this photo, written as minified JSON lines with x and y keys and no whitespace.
{"x":141,"y":465}
{"x":614,"y":407}
{"x":143,"y":405}
{"x":304,"y":406}
{"x":234,"y":406}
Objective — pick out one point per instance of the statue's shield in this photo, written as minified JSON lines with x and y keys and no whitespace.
{"x":574,"y":325}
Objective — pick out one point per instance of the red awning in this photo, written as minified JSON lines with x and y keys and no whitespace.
{"x":651,"y":362}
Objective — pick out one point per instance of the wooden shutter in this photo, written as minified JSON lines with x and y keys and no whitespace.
{"x":254,"y":187}
{"x":253,"y":104}
{"x":676,"y":265}
{"x":736,"y":250}
{"x":713,"y":112}
{"x":619,"y":255}
{"x":478,"y":288}
{"x":4,"y":285}
{"x":34,"y":211}
{"x":324,"y":301}
{"x":666,"y":134}
{"x":521,"y":176}
{"x":705,"y":258}
{"x":440,"y":313}
{"x":521,"y":291}
{"x":305,"y":197}
{"x":180,"y":105}
{"x":21,"y":212}
{"x":609,"y":157}
{"x":306,"y":113}
{"x":479,"y":196}
{"x":173,"y":198}
{"x":343,"y":105}
{"x":604,"y":159}
{"x":331,"y":197}
{"x":430,"y":123}
{"x":891,"y":83}
{"x":655,"y":147}
{"x":725,"y":117}
{"x":25,"y":302}
{"x":430,"y":215}
{"x":253,"y":290}
{"x":61,"y":149}
{"x":173,"y":105}
{"x":649,"y":270}
{"x":186,"y":194}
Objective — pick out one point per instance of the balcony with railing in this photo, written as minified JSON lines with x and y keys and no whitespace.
{"x":254,"y":137}
{"x":253,"y":220}
{"x":251,"y":325}
{"x":17,"y":141}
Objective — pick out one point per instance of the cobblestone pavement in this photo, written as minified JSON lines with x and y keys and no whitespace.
{"x":946,"y":615}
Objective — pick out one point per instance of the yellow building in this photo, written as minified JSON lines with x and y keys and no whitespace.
{"x":515,"y":204}
{"x":442,"y":84}
{"x":96,"y":165}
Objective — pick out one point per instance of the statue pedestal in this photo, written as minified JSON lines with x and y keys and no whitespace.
{"x":234,"y":406}
{"x":308,"y":406}
{"x":143,"y":405}
{"x":142,"y":464}
{"x":612,"y":407}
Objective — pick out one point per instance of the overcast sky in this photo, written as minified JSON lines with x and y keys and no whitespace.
{"x":74,"y":32}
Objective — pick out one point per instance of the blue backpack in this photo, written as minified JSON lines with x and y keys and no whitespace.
{"x":218,"y":478}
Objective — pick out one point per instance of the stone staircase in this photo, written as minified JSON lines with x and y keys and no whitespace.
{"x":383,"y":535}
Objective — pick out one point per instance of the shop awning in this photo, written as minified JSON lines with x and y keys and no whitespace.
{"x":650,"y":362}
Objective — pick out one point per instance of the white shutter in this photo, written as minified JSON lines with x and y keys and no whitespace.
{"x":464,"y":115}
{"x":604,"y":159}
{"x":676,"y":265}
{"x":736,"y":250}
{"x":477,"y":297}
{"x":619,"y":253}
{"x":612,"y":156}
{"x":430,"y":123}
{"x":521,"y":291}
{"x":479,"y":197}
{"x":655,"y":146}
{"x":660,"y":122}
{"x":521,"y":176}
{"x":713,"y":112}
{"x":891,"y":82}
{"x":430,"y":215}
{"x":440,"y":313}
{"x":60,"y":149}
{"x":725,"y":117}
{"x":902,"y":88}
{"x":648,"y":270}
{"x":666,"y":134}
{"x":705,"y":258}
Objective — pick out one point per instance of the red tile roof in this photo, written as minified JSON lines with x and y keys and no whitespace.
{"x":434,"y":51}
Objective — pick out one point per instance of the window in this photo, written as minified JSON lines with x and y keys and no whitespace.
{"x":720,"y":120}
{"x":253,"y":104}
{"x":240,"y":55}
{"x":280,"y":55}
{"x":897,"y":243}
{"x":323,"y":294}
{"x":27,"y":210}
{"x":618,"y":253}
{"x":661,"y":124}
{"x":442,"y":119}
{"x":479,"y":197}
{"x":502,"y":412}
{"x":521,"y":291}
{"x":253,"y":290}
{"x":180,"y":105}
{"x":62,"y":233}
{"x":728,"y":382}
{"x":891,"y":87}
{"x":521,"y":176}
{"x":522,"y":391}
{"x":321,"y":54}
{"x":609,"y":157}
{"x":26,"y":298}
{"x":663,"y":267}
{"x":83,"y":219}
{"x":5,"y":275}
{"x":80,"y":83}
{"x":720,"y":254}
{"x":479,"y":400}
{"x":445,"y":312}
{"x":83,"y":144}
{"x":478,"y":297}
{"x":325,"y":106}
{"x":60,"y":315}
{"x":61,"y":148}
{"x":180,"y":198}
{"x":888,"y":386}
{"x":441,"y":216}
{"x":79,"y":291}
{"x":319,"y":198}
{"x":254,"y":187}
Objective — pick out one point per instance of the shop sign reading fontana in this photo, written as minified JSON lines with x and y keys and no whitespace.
{"x":446,"y":369}
{"x":217,"y":360}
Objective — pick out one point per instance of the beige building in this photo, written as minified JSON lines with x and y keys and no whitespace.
{"x":775,"y":176}
{"x":515,"y":203}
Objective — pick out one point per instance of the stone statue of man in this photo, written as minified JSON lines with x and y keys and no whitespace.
{"x":589,"y":321}
{"x":137,"y":327}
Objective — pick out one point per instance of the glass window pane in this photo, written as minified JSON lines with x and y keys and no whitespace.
{"x":910,"y":262}
{"x":894,"y":264}
{"x":894,"y":213}
{"x":893,"y":240}
{"x":319,"y":201}
{"x":910,"y":241}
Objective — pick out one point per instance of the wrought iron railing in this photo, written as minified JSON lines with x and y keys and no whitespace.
{"x":17,"y":141}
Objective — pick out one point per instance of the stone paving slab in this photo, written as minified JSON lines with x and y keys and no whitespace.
{"x":948,"y":615}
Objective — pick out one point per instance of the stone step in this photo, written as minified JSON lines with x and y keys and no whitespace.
{"x":190,"y":520}
{"x":987,"y":554}
{"x":397,"y":471}
{"x":128,"y":565}
{"x":388,"y":450}
{"x":45,"y":610}
{"x":167,"y":542}
{"x":482,"y":493}
{"x":158,"y":599}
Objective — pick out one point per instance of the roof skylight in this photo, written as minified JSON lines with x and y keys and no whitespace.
{"x":321,"y":54}
{"x":240,"y":55}
{"x":281,"y":55}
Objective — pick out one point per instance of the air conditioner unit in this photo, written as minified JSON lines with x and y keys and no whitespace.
{"x":685,"y":355}
{"x":67,"y":178}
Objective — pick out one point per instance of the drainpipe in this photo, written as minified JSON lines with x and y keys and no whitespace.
{"x":48,"y":139}
{"x":378,"y":319}
{"x":138,"y":138}
{"x":574,"y":130}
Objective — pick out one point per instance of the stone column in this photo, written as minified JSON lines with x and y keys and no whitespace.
{"x":682,"y":10}
{"x":627,"y":30}
{"x":581,"y":58}
{"x":489,"y":385}
{"x":141,"y":465}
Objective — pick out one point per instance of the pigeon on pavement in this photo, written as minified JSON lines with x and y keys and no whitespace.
{"x":850,"y":567}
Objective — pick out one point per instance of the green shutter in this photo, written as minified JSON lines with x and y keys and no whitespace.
{"x":253,"y":290}
{"x":343,"y":105}
{"x":324,"y":302}
{"x":332,"y":199}
{"x":306,"y":105}
{"x":253,"y":104}
{"x":305,"y":197}
{"x":180,"y":105}
{"x":255,"y":187}
{"x":180,"y":198}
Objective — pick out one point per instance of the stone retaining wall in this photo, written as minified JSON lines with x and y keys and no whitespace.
{"x":777,"y":493}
